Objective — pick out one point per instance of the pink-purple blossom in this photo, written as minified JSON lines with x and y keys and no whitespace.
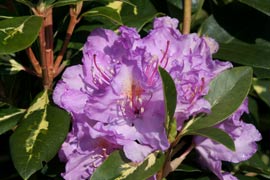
{"x":116,"y":99}
{"x":244,"y":136}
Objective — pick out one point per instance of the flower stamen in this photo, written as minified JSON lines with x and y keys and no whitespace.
{"x":103,"y":74}
{"x":164,"y":55}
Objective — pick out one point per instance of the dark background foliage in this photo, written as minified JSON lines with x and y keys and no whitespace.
{"x":242,"y":28}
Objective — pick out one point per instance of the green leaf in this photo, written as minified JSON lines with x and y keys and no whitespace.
{"x":187,"y":168}
{"x":261,"y":73}
{"x":59,"y":3}
{"x":211,"y":28}
{"x":246,"y":54}
{"x":253,"y":110}
{"x":139,"y":14}
{"x":262,"y":87}
{"x":10,"y":66}
{"x":243,"y":177}
{"x":9,"y":117}
{"x":227,"y":92}
{"x":106,"y":12}
{"x":27,"y":3}
{"x":216,"y":135}
{"x":232,"y":49}
{"x":39,"y":136}
{"x":261,"y":5}
{"x":18,"y":33}
{"x":242,"y":24}
{"x":256,"y":164}
{"x":170,"y":96}
{"x":116,"y":166}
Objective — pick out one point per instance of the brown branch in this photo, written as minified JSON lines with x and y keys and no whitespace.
{"x":49,"y":41}
{"x":46,"y":45}
{"x":169,"y":154}
{"x":74,"y":13}
{"x":60,"y":69}
{"x":177,"y":161}
{"x":34,"y":61}
{"x":30,"y":71}
{"x":187,"y":16}
{"x":169,"y":165}
{"x":44,"y":67}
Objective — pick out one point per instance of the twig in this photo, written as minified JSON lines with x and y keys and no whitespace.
{"x":177,"y":161}
{"x":74,"y":13}
{"x":178,"y":147}
{"x":34,"y":61}
{"x":187,"y":16}
{"x":30,"y":71}
{"x":46,"y":45}
{"x":42,"y":43}
{"x":49,"y":41}
{"x":60,"y":69}
{"x":169,"y":154}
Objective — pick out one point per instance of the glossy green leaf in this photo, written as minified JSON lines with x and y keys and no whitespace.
{"x":211,"y":28}
{"x":176,"y":3}
{"x":199,"y":14}
{"x":246,"y":54}
{"x":256,"y":164}
{"x":227,"y":92}
{"x":10,"y":66}
{"x":262,"y":87}
{"x":18,"y":33}
{"x":253,"y":110}
{"x":106,"y":12}
{"x":139,"y":14}
{"x":9,"y":117}
{"x":187,"y":168}
{"x":261,"y":5}
{"x":232,"y":49}
{"x":27,"y":3}
{"x":170,"y":96}
{"x":215,"y":134}
{"x":243,"y":177}
{"x":39,"y":136}
{"x":261,"y":73}
{"x":242,"y":24}
{"x":116,"y":166}
{"x":59,"y":3}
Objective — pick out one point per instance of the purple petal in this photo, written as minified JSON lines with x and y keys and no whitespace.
{"x":136,"y":152}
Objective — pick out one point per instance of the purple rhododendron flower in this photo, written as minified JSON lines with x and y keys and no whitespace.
{"x":116,"y":98}
{"x":244,"y":136}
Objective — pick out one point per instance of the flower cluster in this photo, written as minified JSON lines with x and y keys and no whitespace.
{"x":116,"y":100}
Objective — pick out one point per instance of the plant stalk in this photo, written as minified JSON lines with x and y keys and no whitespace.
{"x":74,"y":13}
{"x":187,"y":16}
{"x":46,"y":47}
{"x":34,"y":61}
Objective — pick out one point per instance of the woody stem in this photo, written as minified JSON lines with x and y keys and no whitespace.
{"x":187,"y":16}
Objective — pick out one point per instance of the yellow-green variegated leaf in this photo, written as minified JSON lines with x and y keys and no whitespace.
{"x":18,"y":33}
{"x":9,"y":117}
{"x":39,"y":136}
{"x":10,"y":66}
{"x":117,"y":167}
{"x":262,"y":87}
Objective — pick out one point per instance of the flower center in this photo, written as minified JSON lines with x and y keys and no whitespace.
{"x":133,"y":106}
